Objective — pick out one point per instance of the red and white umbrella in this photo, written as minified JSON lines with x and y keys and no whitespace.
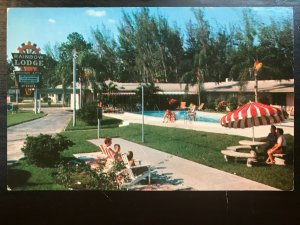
{"x":253,"y":114}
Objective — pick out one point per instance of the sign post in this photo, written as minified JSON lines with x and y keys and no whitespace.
{"x":99,"y":118}
{"x":143,"y":113}
{"x":74,"y":86}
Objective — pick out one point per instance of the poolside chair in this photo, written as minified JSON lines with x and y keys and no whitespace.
{"x":182,"y":106}
{"x":136,"y":173}
{"x":105,"y":151}
{"x":200,"y":107}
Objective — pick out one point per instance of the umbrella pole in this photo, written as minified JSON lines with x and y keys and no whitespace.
{"x":253,"y":133}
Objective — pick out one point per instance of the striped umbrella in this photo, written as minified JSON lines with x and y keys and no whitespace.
{"x":253,"y":114}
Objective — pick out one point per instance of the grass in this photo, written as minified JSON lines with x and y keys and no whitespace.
{"x":21,"y":117}
{"x":201,"y":147}
{"x":23,"y":176}
{"x":106,"y":122}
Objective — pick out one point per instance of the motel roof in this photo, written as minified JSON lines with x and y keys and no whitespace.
{"x":283,"y":86}
{"x":273,"y":86}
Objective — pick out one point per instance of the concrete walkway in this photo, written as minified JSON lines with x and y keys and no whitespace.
{"x":184,"y":174}
{"x":260,"y":131}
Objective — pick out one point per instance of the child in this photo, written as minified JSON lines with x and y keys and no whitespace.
{"x":130,"y":158}
{"x":117,"y":155}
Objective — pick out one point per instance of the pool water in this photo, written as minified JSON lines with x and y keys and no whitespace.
{"x":181,"y":115}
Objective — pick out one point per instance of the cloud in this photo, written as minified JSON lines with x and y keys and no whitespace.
{"x":111,"y":21}
{"x":92,"y":12}
{"x":51,"y":20}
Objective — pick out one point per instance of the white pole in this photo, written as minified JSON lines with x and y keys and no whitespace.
{"x":80,"y":105}
{"x":143,"y":113}
{"x":35,"y":100}
{"x":256,"y":87}
{"x":74,"y":88}
{"x":98,"y":128}
{"x":17,"y":95}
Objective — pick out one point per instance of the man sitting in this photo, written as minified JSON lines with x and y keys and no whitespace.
{"x":271,"y":139}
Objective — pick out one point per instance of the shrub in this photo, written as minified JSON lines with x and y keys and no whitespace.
{"x":88,"y":113}
{"x":210,"y":105}
{"x":44,"y":150}
{"x":15,"y":108}
{"x":245,"y":99}
{"x":220,"y":105}
{"x":232,"y":103}
{"x":264,"y":100}
{"x":79,"y":176}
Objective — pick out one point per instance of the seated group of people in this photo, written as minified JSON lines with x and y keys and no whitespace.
{"x":169,"y":117}
{"x":276,"y":144}
{"x":114,"y":154}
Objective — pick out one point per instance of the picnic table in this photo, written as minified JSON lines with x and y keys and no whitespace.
{"x":251,"y":156}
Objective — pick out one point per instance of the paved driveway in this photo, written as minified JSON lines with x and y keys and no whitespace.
{"x":54,"y":122}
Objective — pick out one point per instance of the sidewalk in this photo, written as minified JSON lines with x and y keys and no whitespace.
{"x":182,"y":174}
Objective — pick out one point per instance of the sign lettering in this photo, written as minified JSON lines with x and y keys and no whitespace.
{"x":20,"y":59}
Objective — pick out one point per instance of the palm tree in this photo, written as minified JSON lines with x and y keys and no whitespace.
{"x":109,"y":88}
{"x":149,"y":91}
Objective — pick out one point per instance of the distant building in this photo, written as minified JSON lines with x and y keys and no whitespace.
{"x":279,"y":93}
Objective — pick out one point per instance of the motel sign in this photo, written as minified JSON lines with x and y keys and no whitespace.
{"x":21,"y":59}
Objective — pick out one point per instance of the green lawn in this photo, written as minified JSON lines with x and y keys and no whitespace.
{"x":22,"y":116}
{"x":106,"y":122}
{"x":201,"y":147}
{"x":23,"y":176}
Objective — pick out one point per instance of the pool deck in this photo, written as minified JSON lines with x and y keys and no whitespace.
{"x":260,"y":131}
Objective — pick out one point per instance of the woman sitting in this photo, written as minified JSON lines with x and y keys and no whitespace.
{"x":278,"y":148}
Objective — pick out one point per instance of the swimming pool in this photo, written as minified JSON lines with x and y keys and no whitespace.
{"x":181,"y":115}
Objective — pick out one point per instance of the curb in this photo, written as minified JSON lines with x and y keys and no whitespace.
{"x":46,"y":114}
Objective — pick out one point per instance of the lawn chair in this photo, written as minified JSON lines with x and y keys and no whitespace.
{"x":106,"y":152}
{"x":182,"y":106}
{"x":200,"y":107}
{"x":136,"y":173}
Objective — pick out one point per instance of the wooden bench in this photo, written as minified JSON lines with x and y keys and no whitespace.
{"x":251,"y":157}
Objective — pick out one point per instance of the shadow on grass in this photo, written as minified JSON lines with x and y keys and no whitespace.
{"x":17,"y":178}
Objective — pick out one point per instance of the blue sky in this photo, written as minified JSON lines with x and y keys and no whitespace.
{"x":52,"y":25}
